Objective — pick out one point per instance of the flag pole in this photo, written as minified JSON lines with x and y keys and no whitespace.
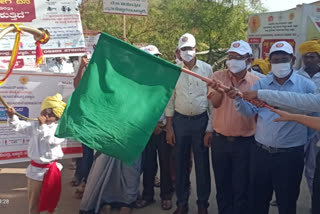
{"x":124,"y":27}
{"x":224,"y":87}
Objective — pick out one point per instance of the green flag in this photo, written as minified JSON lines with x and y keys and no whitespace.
{"x":119,"y":100}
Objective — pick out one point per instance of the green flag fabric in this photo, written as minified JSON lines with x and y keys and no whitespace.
{"x":119,"y":99}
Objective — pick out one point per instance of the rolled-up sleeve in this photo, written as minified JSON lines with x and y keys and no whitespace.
{"x":244,"y":107}
{"x":169,"y":111}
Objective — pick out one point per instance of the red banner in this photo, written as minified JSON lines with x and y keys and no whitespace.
{"x":267,"y":43}
{"x":17,"y":11}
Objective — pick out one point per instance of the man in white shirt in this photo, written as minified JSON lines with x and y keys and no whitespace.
{"x":188,"y":127}
{"x":59,"y":65}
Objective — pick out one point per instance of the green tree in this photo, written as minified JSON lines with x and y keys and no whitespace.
{"x":214,"y":23}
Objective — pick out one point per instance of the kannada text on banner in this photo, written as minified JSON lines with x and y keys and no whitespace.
{"x":61,"y":18}
{"x":126,"y":7}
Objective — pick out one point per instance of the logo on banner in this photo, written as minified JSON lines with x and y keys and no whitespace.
{"x":254,"y":24}
{"x":24,"y":80}
{"x":291,"y":16}
{"x":22,"y":11}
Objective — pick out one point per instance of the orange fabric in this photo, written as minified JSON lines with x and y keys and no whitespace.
{"x":226,"y":119}
{"x":39,"y":52}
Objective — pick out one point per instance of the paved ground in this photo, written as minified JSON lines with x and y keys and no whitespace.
{"x":13,"y":187}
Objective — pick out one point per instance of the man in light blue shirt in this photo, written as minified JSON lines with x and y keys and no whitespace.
{"x":277,"y":157}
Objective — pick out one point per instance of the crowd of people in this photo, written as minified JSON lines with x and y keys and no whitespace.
{"x":255,"y":151}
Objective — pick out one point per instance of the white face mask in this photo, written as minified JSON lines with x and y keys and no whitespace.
{"x":248,"y":66}
{"x":281,"y":70}
{"x":188,"y":55}
{"x":236,"y":66}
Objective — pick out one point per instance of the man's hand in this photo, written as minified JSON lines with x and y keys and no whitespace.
{"x":171,"y":139}
{"x":10,"y":112}
{"x":158,"y":129}
{"x":232,"y":92}
{"x":284,"y":116}
{"x":42,"y":120}
{"x":207,"y":139}
{"x":250,"y":95}
{"x":216,"y":85}
{"x":84,"y":62}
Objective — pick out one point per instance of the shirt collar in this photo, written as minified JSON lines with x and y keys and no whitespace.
{"x":231,"y":77}
{"x":292,"y":78}
{"x":197,"y":65}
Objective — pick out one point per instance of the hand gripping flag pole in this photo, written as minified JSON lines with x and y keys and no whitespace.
{"x":223,"y":87}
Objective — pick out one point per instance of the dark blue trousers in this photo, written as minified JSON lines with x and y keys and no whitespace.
{"x":189,"y":133}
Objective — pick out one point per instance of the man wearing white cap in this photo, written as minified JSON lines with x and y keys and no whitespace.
{"x":188,"y":127}
{"x":151,"y":49}
{"x":277,"y":155}
{"x":157,"y":143}
{"x":233,"y":133}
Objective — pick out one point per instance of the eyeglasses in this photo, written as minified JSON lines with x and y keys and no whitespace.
{"x":237,"y":57}
{"x":280,"y":60}
{"x":186,"y":49}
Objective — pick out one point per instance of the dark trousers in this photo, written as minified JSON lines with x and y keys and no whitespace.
{"x":278,"y":171}
{"x":230,"y":161}
{"x":189,"y":133}
{"x":316,"y":188}
{"x":86,"y":162}
{"x":77,"y":173}
{"x":157,"y":143}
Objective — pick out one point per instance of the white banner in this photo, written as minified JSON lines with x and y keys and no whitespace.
{"x":25,"y":91}
{"x":268,"y":28}
{"x":294,"y":26}
{"x":126,"y":7}
{"x":91,"y":39}
{"x":61,"y":18}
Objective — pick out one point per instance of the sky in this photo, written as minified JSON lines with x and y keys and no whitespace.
{"x":278,"y":5}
